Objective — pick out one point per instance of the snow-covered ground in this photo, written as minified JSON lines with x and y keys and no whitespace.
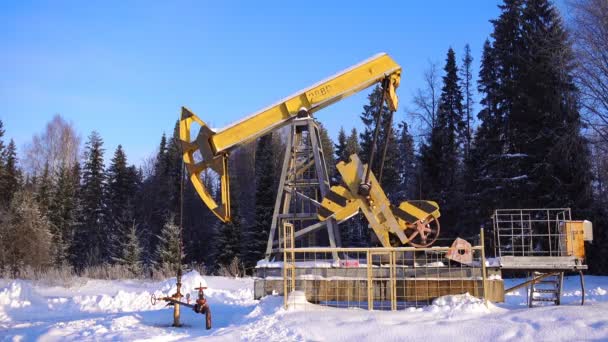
{"x":121,"y":310}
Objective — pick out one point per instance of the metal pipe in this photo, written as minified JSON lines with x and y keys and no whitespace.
{"x":388,"y":129}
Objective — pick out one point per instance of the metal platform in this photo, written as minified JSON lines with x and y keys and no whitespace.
{"x":538,"y":244}
{"x":540,"y":263}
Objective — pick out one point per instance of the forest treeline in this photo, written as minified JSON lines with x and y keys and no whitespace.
{"x":538,"y":139}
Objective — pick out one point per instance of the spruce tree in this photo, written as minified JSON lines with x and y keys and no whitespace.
{"x":173,"y":161}
{"x":388,"y":173}
{"x":354,"y":232}
{"x":3,"y":200}
{"x":91,"y":238}
{"x":467,"y":89}
{"x":158,"y":190}
{"x":340,"y":147}
{"x":169,"y":245}
{"x":390,"y":178}
{"x":548,"y":124}
{"x":256,"y":237}
{"x":440,"y":158}
{"x":529,"y":150}
{"x":368,"y":117}
{"x":62,"y":213}
{"x":228,"y":236}
{"x":121,"y":191}
{"x":346,"y":146}
{"x":407,"y":163}
{"x":44,"y":197}
{"x":352,"y":144}
{"x":328,"y":151}
{"x":43,"y":193}
{"x":131,"y":251}
{"x":483,"y":166}
{"x":162,"y":191}
{"x":10,"y":175}
{"x":2,"y":131}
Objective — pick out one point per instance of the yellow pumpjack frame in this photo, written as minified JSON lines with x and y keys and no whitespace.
{"x":214,"y":147}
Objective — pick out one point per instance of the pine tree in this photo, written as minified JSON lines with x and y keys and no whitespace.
{"x":168,"y":249}
{"x":91,"y":239}
{"x":255,"y":239}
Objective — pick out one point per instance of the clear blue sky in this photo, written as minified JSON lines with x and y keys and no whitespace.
{"x":124,"y":68}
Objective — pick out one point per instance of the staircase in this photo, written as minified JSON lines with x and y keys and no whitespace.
{"x":545,"y":288}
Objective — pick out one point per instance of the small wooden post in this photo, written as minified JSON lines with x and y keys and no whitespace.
{"x":483,"y":266}
{"x":370,"y":293}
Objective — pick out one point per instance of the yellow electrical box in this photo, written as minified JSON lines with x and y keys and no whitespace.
{"x":577,"y":232}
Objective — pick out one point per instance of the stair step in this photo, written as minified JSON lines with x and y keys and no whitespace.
{"x":546,"y":282}
{"x":545,"y":291}
{"x":543,"y":299}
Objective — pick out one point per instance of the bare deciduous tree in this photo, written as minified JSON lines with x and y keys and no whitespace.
{"x":57,"y":146}
{"x":426,"y":99}
{"x":590,"y":33}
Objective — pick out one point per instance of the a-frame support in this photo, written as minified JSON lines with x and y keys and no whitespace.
{"x":303,"y":184}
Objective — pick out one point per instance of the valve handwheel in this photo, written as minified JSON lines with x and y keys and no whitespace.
{"x":423,"y":233}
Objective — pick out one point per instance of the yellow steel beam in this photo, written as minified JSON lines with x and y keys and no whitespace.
{"x":312,"y":99}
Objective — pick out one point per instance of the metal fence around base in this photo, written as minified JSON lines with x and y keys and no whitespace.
{"x":378,"y":278}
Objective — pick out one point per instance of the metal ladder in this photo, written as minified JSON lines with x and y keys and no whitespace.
{"x":545,"y":288}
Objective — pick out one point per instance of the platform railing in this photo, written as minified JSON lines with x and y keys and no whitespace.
{"x":531,"y":232}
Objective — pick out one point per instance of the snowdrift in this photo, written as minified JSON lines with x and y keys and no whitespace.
{"x":121,"y":310}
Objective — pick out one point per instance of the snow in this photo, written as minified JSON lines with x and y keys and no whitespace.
{"x":121,"y":310}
